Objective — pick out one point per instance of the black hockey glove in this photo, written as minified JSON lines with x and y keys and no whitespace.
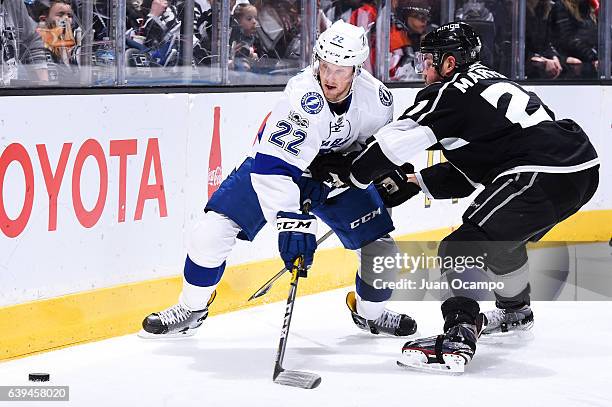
{"x":394,"y":187}
{"x":369,"y":165}
{"x":332,"y":167}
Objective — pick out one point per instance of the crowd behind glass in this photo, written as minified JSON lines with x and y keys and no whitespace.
{"x":263,"y":42}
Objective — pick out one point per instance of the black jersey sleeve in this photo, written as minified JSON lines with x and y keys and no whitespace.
{"x":439,"y":107}
{"x":432,"y":119}
{"x":444,"y":181}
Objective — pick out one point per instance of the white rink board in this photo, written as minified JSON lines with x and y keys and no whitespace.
{"x":241,"y":117}
{"x":39,"y":263}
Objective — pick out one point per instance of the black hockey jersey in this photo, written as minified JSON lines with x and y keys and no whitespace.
{"x":487,"y":126}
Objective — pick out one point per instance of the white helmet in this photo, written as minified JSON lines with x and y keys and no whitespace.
{"x":342,"y":44}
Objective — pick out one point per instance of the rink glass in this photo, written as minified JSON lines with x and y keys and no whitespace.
{"x":114,"y":43}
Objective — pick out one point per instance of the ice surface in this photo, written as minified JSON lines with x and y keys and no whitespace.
{"x":568,"y":362}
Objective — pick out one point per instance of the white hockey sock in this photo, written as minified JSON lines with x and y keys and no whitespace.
{"x":368,"y":309}
{"x":194,"y":297}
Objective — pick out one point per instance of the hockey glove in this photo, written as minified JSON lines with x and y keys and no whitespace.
{"x":369,"y":165}
{"x":332,"y":167}
{"x":394,"y":187}
{"x":296,"y":237}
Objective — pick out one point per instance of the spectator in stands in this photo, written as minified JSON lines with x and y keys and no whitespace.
{"x":162,"y":33}
{"x":56,"y":30}
{"x":339,"y":10}
{"x":20,"y":44}
{"x":482,"y":15}
{"x":279,"y":31}
{"x":474,"y":10}
{"x":102,"y":10}
{"x":202,"y":24}
{"x":574,"y":32}
{"x":323,"y":22}
{"x":135,"y":17}
{"x":409,"y":23}
{"x":365,"y":16}
{"x":541,"y":58}
{"x":243,"y":37}
{"x":160,"y":19}
{"x":202,"y":51}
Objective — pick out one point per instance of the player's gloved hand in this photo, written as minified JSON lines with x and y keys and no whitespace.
{"x":369,"y":165}
{"x":296,"y":237}
{"x":332,"y":167}
{"x":313,"y":190}
{"x":395,"y":188}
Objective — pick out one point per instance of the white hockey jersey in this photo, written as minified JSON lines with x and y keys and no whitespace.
{"x":301,"y":125}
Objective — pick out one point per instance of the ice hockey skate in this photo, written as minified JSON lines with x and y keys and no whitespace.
{"x":446,"y":353}
{"x":176,"y":321}
{"x":389,"y":323}
{"x":451,"y":351}
{"x":508,"y":322}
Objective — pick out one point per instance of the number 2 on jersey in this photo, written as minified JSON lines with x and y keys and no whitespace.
{"x":287,"y":138}
{"x":517,"y":108}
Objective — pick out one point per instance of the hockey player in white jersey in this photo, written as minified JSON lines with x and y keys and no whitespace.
{"x":326,"y":111}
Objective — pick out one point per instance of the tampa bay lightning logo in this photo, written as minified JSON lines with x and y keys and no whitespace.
{"x":386,"y":98}
{"x":312,"y":103}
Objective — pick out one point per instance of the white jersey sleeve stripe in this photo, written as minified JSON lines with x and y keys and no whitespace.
{"x":401,"y":140}
{"x":551,"y":169}
{"x":435,"y":103}
{"x":423,"y":186}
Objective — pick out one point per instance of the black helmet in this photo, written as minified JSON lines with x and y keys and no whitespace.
{"x":456,"y":39}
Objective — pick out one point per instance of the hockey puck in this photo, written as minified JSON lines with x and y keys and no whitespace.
{"x":39,"y":377}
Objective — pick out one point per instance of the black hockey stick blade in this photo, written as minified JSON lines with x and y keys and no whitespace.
{"x":260,"y":293}
{"x":295,"y":378}
{"x":263,"y":290}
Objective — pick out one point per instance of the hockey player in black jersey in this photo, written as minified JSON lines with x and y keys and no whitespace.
{"x":536,"y":171}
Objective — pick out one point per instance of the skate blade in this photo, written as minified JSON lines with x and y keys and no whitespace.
{"x":413,"y":359}
{"x":518,"y":330}
{"x":414,"y":335}
{"x":520,"y":334}
{"x":387,"y":335}
{"x":299,"y":379}
{"x":147,"y":335}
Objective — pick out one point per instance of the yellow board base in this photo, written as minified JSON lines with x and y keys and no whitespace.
{"x":103,"y":313}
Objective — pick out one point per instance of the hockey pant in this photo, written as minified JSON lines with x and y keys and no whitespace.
{"x":357,"y":217}
{"x":505,"y":216}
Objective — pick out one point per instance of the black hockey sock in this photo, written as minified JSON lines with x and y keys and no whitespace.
{"x":516,"y":302}
{"x":459,"y":310}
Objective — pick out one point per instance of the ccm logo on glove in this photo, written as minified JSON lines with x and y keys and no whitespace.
{"x":302,"y":226}
{"x":296,"y":237}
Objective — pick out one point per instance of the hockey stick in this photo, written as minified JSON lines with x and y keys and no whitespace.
{"x":263,"y":290}
{"x":304,"y":380}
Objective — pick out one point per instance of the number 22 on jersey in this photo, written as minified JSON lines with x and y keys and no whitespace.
{"x":287,"y":138}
